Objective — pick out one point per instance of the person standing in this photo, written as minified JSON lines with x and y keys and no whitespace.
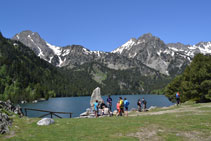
{"x":139,"y":105}
{"x":126,"y":104}
{"x":96,"y":108}
{"x":121,"y":102}
{"x":109,"y":102}
{"x":144,"y":104}
{"x":178,"y":98}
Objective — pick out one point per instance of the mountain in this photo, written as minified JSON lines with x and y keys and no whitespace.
{"x":25,"y":76}
{"x":145,"y":52}
{"x":142,"y":65}
{"x":169,"y":59}
{"x":76,"y":55}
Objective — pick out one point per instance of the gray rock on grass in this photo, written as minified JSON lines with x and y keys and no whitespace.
{"x":45,"y":121}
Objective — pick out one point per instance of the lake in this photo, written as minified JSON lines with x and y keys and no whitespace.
{"x":78,"y":105}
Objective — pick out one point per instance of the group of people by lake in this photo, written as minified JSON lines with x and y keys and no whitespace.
{"x":122,"y":106}
{"x":142,"y":104}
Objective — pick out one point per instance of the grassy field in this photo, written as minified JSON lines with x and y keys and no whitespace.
{"x":185,"y":122}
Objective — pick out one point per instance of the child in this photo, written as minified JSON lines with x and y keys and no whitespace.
{"x":96,"y":108}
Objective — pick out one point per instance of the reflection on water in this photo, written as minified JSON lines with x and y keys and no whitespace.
{"x":77,"y":105}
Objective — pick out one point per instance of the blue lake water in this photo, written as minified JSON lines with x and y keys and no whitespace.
{"x":78,"y":105}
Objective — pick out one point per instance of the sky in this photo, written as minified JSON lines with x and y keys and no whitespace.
{"x":105,"y":25}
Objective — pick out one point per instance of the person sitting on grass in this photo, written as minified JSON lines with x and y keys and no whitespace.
{"x":102,"y":108}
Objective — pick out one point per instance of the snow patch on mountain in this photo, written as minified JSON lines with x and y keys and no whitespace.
{"x":86,"y":51}
{"x":127,"y":46}
{"x":98,"y":53}
{"x":18,"y":36}
{"x":56,"y":50}
{"x":60,"y":62}
{"x":40,"y":53}
{"x":66,"y":52}
{"x":50,"y":59}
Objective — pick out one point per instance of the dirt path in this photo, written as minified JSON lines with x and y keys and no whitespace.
{"x":166,"y":110}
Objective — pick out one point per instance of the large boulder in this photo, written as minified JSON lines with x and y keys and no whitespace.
{"x":45,"y":121}
{"x":96,"y":95}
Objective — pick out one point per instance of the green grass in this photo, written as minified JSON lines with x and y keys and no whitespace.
{"x":173,"y":126}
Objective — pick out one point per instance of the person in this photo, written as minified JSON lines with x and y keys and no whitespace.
{"x":118,"y":108}
{"x":144,"y":104}
{"x":126,"y":104}
{"x":102,"y":105}
{"x":139,"y":105}
{"x":121,"y":102}
{"x":109,"y":102}
{"x":178,"y":98}
{"x":96,"y":108}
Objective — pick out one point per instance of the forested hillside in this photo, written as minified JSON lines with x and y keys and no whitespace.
{"x":24,"y":76}
{"x":195,"y":83}
{"x":130,"y":81}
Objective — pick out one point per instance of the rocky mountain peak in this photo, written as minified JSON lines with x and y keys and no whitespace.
{"x":34,"y":42}
{"x":26,"y":33}
{"x":148,"y":37}
{"x":147,"y":50}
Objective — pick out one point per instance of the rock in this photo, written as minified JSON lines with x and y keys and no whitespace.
{"x":45,"y":121}
{"x":83,"y":114}
{"x":5,"y":122}
{"x":96,"y":95}
{"x":152,"y":107}
{"x":89,"y":111}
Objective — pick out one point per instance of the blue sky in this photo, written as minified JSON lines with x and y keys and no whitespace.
{"x":107,"y":24}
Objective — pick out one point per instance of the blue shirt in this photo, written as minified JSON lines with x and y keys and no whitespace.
{"x":126,"y":103}
{"x":96,"y":106}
